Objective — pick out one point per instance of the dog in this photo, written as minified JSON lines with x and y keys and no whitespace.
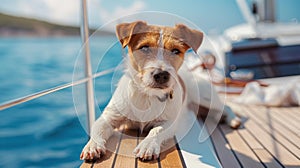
{"x":155,"y":91}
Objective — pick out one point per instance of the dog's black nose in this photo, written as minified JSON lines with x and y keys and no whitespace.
{"x":162,"y":77}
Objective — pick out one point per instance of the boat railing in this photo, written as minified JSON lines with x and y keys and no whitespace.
{"x":88,"y":66}
{"x":12,"y":103}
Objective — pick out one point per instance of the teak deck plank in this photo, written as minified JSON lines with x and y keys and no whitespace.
{"x":125,"y":157}
{"x":284,"y":116}
{"x":86,"y":165}
{"x":269,"y":134}
{"x":290,"y":112}
{"x":171,"y":158}
{"x":249,"y":139}
{"x":246,"y":156}
{"x":278,"y":115}
{"x":294,"y":112}
{"x":264,"y":117}
{"x":287,"y":121}
{"x":268,"y":127}
{"x":276,"y":149}
{"x":266,"y":158}
{"x":223,"y":149}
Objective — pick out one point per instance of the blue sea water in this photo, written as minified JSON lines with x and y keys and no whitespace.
{"x":48,"y":132}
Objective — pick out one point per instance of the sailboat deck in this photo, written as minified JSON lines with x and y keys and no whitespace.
{"x":269,"y":137}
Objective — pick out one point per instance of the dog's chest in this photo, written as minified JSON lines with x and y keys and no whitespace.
{"x":145,"y":109}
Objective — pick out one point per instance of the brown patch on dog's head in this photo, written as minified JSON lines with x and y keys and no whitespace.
{"x":192,"y":38}
{"x":125,"y":32}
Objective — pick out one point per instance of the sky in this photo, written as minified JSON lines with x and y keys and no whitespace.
{"x":209,"y":15}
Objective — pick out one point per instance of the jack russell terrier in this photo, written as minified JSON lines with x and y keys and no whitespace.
{"x":155,"y":91}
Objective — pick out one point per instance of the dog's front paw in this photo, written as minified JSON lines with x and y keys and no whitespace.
{"x":235,"y":123}
{"x":92,"y":150}
{"x":148,"y":149}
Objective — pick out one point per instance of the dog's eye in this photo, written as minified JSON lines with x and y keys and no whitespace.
{"x":145,"y":48}
{"x":175,"y":51}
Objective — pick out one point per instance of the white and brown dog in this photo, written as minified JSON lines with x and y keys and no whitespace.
{"x":156,"y":90}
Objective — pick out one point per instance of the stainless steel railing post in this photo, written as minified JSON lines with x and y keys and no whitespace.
{"x":88,"y":67}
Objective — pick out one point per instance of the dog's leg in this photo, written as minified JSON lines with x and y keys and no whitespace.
{"x":104,"y":126}
{"x":231,"y":119}
{"x":149,"y":148}
{"x":101,"y":131}
{"x":219,"y":111}
{"x":209,"y":99}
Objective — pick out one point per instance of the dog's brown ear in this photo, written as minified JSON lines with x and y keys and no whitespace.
{"x":125,"y":31}
{"x":192,"y":38}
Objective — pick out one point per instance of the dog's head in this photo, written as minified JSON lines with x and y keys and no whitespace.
{"x":156,"y":53}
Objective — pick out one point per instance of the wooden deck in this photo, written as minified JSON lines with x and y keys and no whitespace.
{"x":125,"y":144}
{"x":269,"y":137}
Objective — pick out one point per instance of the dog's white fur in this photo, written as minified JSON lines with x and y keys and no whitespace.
{"x":160,"y":110}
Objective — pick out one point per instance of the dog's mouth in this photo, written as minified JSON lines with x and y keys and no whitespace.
{"x":157,"y":86}
{"x":162,"y":92}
